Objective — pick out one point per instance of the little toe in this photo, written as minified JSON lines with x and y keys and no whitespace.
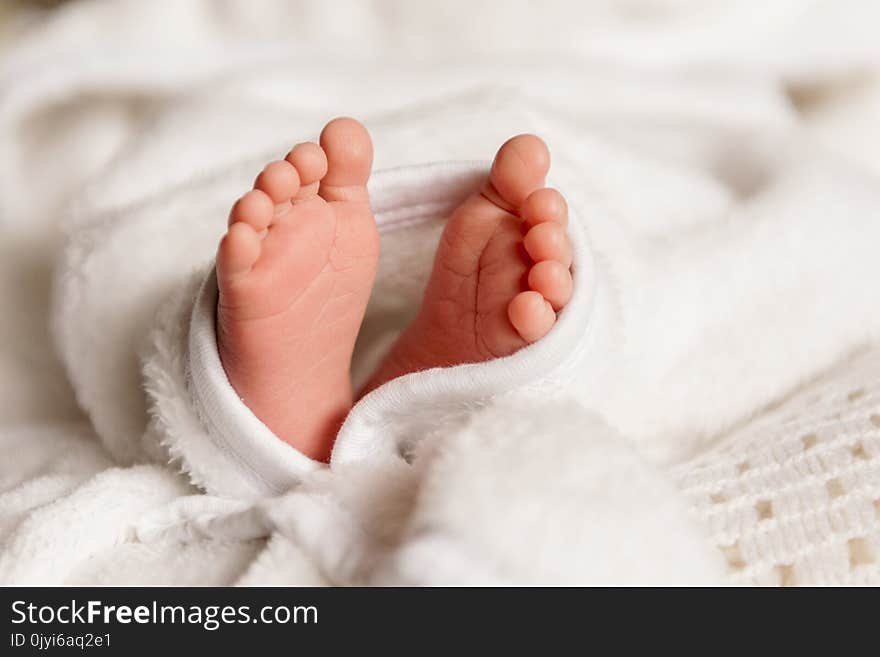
{"x":548,"y":241}
{"x":531,"y":315}
{"x":543,"y":205}
{"x":238,"y":251}
{"x":520,"y":167}
{"x":310,"y":162}
{"x":553,"y":281}
{"x":254,"y":208}
{"x":279,"y":180}
{"x":349,"y":152}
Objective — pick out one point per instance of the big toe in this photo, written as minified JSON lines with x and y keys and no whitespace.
{"x":520,"y":167}
{"x":349,"y":152}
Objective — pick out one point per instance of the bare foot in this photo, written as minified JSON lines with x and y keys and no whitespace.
{"x":500,"y":274}
{"x":295,"y":270}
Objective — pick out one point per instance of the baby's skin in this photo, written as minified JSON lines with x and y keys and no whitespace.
{"x":298,"y":261}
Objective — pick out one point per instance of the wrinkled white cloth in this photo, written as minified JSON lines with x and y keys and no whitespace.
{"x":724,"y":249}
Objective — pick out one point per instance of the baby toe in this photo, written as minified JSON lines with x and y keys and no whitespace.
{"x":543,"y":205}
{"x":279,"y":180}
{"x":548,"y":241}
{"x":310,"y":162}
{"x":531,"y":315}
{"x":254,"y":208}
{"x":519,"y":169}
{"x":238,"y":251}
{"x":553,"y":281}
{"x":349,"y":151}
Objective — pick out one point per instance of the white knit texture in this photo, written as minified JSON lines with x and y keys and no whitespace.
{"x":793,"y":498}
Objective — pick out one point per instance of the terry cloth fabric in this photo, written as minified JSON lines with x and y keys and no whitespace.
{"x":704,"y":412}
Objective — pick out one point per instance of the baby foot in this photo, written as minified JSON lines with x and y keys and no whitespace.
{"x":295,"y":270}
{"x":500,"y":273}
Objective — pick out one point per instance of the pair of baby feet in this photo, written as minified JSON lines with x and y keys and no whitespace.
{"x":297,"y":265}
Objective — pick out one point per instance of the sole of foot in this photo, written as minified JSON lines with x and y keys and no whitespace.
{"x":501,"y":272}
{"x":295,"y":270}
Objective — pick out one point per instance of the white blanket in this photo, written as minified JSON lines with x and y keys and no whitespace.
{"x":726,"y":242}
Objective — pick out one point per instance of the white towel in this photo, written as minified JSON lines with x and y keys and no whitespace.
{"x":701,"y":198}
